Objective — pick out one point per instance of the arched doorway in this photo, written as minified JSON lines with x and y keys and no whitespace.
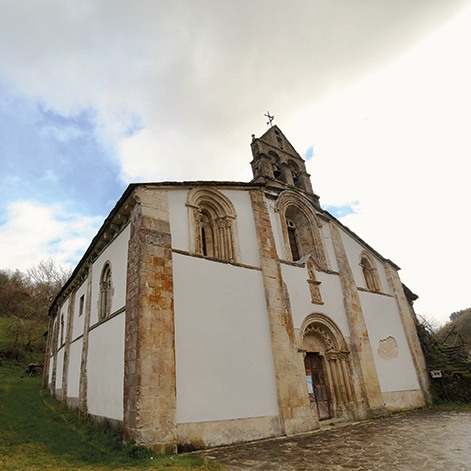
{"x":316,"y":384}
{"x":328,"y":369}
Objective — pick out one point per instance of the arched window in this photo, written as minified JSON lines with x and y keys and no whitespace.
{"x":212,"y":224}
{"x":300,"y":229}
{"x":276,"y":166}
{"x":370,"y":273}
{"x":299,"y":232}
{"x":295,"y":174}
{"x":293,"y":239}
{"x":105,"y":292}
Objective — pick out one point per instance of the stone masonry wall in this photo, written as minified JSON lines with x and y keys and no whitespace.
{"x":149,"y":371}
{"x":369,"y":398}
{"x":293,"y":400}
{"x":83,"y":381}
{"x":68,"y":339}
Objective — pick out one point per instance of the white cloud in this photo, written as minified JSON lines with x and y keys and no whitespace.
{"x":194,"y":72}
{"x":398,"y":143}
{"x":388,"y":131}
{"x":34,"y":232}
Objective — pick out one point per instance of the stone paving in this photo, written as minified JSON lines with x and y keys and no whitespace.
{"x":424,"y":440}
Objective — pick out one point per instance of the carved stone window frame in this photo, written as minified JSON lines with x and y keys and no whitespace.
{"x":222,"y":219}
{"x":370,"y":272}
{"x":290,"y":199}
{"x":106,"y":291}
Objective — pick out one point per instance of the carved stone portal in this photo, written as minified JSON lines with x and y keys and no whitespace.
{"x":330,"y":384}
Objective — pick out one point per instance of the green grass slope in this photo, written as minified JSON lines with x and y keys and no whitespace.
{"x":37,"y":433}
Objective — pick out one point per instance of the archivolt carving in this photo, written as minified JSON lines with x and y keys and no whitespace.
{"x":370,"y":272}
{"x":336,"y":359}
{"x":320,"y":324}
{"x":291,"y":205}
{"x":212,"y":224}
{"x":220,"y":203}
{"x":316,"y":329}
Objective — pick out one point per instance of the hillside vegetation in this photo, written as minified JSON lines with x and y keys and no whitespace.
{"x":24,"y":304}
{"x":458,"y":330}
{"x":448,"y":350}
{"x":38,"y":433}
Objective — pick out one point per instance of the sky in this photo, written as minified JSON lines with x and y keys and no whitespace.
{"x":374,"y":94}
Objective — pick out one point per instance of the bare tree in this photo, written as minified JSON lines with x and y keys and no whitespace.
{"x":47,"y":278}
{"x":25,"y":300}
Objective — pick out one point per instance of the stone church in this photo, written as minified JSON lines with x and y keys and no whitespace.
{"x":209,"y":313}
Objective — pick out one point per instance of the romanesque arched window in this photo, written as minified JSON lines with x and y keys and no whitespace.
{"x":299,"y":232}
{"x":370,"y":273}
{"x":300,"y":229}
{"x":212,"y":219}
{"x":105,"y":292}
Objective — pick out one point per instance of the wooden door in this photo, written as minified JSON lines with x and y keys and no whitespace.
{"x":316,"y":385}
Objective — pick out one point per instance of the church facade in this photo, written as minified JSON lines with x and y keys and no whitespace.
{"x":210,"y":313}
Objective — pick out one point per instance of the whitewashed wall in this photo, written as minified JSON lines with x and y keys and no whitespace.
{"x":179,"y":218}
{"x":105,"y":369}
{"x":60,"y":365}
{"x":246,"y":226}
{"x":223,"y":350}
{"x":73,"y":379}
{"x":353,"y":250}
{"x":383,"y":321}
{"x":330,"y":256}
{"x":300,"y":297}
{"x":117,"y":254}
{"x":77,"y":329}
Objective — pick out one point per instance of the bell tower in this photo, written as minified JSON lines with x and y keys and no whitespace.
{"x":276,"y":162}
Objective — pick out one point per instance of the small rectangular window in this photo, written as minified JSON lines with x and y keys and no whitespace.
{"x":82,"y":302}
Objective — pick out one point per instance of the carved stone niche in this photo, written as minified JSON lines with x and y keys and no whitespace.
{"x":314,"y":284}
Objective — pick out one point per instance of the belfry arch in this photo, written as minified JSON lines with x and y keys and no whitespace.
{"x":328,"y":368}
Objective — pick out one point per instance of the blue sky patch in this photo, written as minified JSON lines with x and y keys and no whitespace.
{"x":58,"y":158}
{"x":342,"y":211}
{"x":134,"y":127}
{"x":309,"y":154}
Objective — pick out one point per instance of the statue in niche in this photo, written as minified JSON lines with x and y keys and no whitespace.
{"x":316,"y":297}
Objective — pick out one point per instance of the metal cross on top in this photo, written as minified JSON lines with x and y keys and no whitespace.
{"x":270,"y":118}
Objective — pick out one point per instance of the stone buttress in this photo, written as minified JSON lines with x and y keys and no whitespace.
{"x":150,"y":370}
{"x":296,"y":414}
{"x":368,"y":390}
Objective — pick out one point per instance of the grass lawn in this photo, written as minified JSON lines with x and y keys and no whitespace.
{"x":37,"y":433}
